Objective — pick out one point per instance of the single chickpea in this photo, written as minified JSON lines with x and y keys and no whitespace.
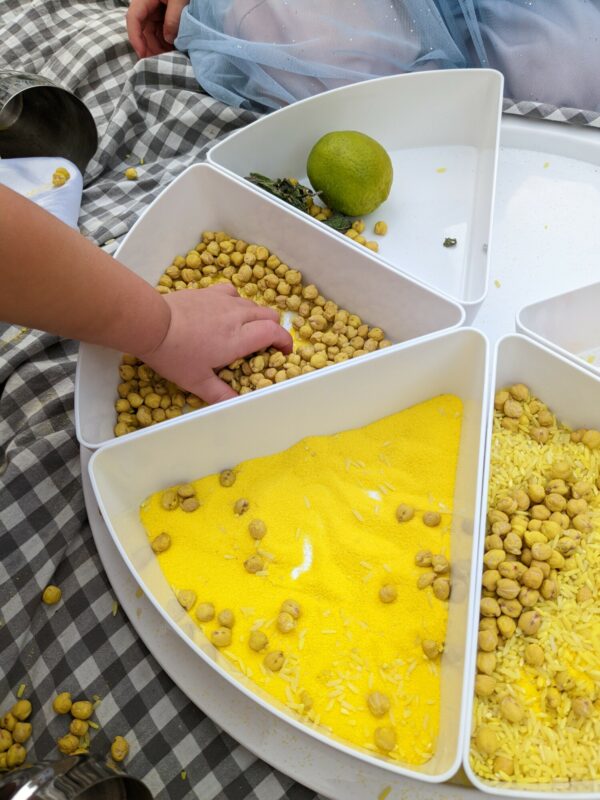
{"x":511,"y":709}
{"x":21,"y":732}
{"x":226,"y":618}
{"x":581,"y":707}
{"x":378,"y":704}
{"x":431,"y":648}
{"x":82,"y":709}
{"x":68,"y":744}
{"x":189,"y":504}
{"x":62,"y":703}
{"x":528,"y":597}
{"x":257,"y":529}
{"x":506,"y":626}
{"x":507,"y":588}
{"x":513,"y":544}
{"x":291,"y":607}
{"x":486,"y":662}
{"x":6,"y":740}
{"x":423,"y":558}
{"x":511,"y":608}
{"x":541,"y":551}
{"x":257,"y":641}
{"x":254,"y":564}
{"x":485,"y":685}
{"x":504,"y":764}
{"x":486,"y":740}
{"x":227,"y":477}
{"x":8,"y":722}
{"x":513,"y":408}
{"x":21,"y":710}
{"x":240,"y":506}
{"x":274,"y":660}
{"x":440,"y":564}
{"x":78,"y":727}
{"x":488,"y":641}
{"x":285,"y":622}
{"x":490,"y":579}
{"x":441,"y":588}
{"x":425,"y":580}
{"x":15,"y":755}
{"x":221,"y":637}
{"x":380,"y":228}
{"x":534,"y":655}
{"x":533,"y":578}
{"x":404,"y":512}
{"x":489,"y":607}
{"x":432,"y":519}
{"x":205,"y":612}
{"x":488,"y":624}
{"x":161,"y":543}
{"x":493,"y":558}
{"x":186,"y":598}
{"x":385,"y":738}
{"x":529,"y":622}
{"x":51,"y":595}
{"x":119,"y":749}
{"x":388,"y":593}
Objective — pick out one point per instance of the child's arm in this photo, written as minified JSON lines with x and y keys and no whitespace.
{"x":152,"y":25}
{"x":54,"y":279}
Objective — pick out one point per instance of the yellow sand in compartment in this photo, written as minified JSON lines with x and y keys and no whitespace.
{"x":332,"y":541}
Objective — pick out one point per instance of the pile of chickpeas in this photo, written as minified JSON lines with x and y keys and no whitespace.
{"x":532,"y":534}
{"x":14,"y":733}
{"x":77,"y":740}
{"x":324,"y":333}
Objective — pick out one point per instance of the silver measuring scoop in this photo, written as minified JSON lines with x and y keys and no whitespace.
{"x":71,"y":778}
{"x":38,"y":118}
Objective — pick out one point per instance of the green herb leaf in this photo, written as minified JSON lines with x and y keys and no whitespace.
{"x":297,"y":195}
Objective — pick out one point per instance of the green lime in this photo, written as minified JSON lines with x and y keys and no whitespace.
{"x":352,"y":172}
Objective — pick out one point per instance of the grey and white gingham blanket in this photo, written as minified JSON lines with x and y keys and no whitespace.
{"x":151,"y":110}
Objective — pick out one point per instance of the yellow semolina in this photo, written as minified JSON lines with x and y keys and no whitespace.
{"x":332,"y":541}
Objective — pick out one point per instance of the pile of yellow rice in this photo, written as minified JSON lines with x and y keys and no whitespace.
{"x":549,"y":744}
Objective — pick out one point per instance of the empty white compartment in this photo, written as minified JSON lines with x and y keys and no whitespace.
{"x":573,"y":394}
{"x":567,"y":323}
{"x":124,"y":472}
{"x":441,"y":129}
{"x":203,"y":198}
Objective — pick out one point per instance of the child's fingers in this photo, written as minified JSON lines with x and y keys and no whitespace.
{"x":213,"y":390}
{"x":172,"y":17}
{"x":252,"y":311}
{"x":136,"y":13}
{"x":225,"y":288}
{"x":260,"y":334}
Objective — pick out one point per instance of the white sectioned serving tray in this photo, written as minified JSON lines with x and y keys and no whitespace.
{"x":546,"y":241}
{"x":441,"y":131}
{"x":569,"y":323}
{"x":126,"y":471}
{"x":573,"y":394}
{"x":204,"y":198}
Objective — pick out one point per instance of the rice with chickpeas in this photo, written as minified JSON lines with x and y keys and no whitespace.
{"x":554,"y":736}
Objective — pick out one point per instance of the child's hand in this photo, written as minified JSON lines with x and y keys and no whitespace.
{"x":208,"y":330}
{"x":152,"y":25}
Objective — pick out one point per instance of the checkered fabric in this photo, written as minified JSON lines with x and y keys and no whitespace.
{"x":152,"y":111}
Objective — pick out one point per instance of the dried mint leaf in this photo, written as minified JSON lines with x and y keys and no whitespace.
{"x":297,"y":195}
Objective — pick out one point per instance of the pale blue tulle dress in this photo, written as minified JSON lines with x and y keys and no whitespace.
{"x":264,"y":54}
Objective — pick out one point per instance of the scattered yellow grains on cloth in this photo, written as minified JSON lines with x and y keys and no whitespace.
{"x":332,"y":541}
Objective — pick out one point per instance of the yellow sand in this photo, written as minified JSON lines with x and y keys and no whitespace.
{"x":333,"y":497}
